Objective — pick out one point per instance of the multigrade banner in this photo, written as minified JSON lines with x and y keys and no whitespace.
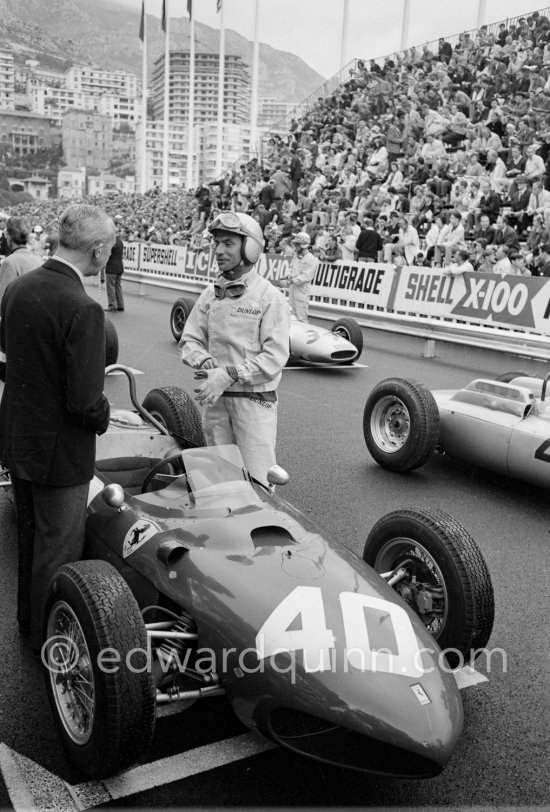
{"x":516,"y":302}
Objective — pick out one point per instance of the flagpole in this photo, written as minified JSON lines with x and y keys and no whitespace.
{"x":221,"y":83}
{"x":143,"y":181}
{"x":345,"y":32}
{"x":191,"y":119}
{"x":166,"y":20}
{"x":255,"y":71}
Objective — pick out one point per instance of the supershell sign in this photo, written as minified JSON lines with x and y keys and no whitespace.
{"x":176,"y":261}
{"x":509,"y":301}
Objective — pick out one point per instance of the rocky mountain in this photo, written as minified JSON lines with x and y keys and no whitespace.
{"x":60,"y":33}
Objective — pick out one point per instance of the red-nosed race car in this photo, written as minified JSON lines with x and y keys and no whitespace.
{"x":339,"y":346}
{"x":501,"y":424}
{"x":198,"y":581}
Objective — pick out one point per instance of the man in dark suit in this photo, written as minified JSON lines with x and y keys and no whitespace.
{"x":369,"y":242}
{"x":52,"y":339}
{"x":505,"y":234}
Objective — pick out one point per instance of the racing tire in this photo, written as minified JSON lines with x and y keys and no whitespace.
{"x":176,"y":410}
{"x":104,"y":710}
{"x":351,"y":331}
{"x":507,"y":377}
{"x":438,"y":551}
{"x":111,"y":343}
{"x":178,"y":316}
{"x":401,"y":424}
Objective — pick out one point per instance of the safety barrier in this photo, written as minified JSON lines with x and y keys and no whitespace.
{"x":509,"y":314}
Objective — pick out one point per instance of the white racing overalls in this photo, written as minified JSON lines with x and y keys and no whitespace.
{"x":250,"y":333}
{"x":302,"y":271}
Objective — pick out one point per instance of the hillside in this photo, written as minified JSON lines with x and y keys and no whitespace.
{"x":105,"y":34}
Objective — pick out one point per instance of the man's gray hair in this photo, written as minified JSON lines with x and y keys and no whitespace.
{"x":81,"y":227}
{"x":18,"y":230}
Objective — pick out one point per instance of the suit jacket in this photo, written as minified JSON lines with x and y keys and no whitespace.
{"x":53,"y":336}
{"x":507,"y":236}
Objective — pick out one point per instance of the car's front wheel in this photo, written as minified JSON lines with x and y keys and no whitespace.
{"x":439,"y":570}
{"x":350,"y":330}
{"x":176,"y":410}
{"x":98,"y":678}
{"x":401,"y":424}
{"x":178,"y":316}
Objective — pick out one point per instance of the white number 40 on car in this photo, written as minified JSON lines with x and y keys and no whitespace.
{"x":379,"y":634}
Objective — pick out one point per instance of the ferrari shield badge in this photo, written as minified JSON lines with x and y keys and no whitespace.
{"x":138,"y":534}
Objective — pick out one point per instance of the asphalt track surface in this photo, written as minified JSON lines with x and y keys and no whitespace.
{"x":503,"y":757}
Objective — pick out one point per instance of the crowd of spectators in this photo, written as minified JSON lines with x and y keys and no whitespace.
{"x":444,"y":153}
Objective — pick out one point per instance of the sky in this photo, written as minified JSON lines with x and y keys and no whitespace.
{"x":312,"y":29}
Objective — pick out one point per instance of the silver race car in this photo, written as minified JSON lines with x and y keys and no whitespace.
{"x":339,"y":346}
{"x":501,"y":424}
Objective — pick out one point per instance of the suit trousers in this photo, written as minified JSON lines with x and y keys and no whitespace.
{"x":51,"y":531}
{"x":115,"y":299}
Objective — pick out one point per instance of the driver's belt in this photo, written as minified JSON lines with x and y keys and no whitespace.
{"x":268,"y":397}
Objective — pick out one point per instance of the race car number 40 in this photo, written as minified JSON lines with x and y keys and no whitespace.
{"x":378,"y":634}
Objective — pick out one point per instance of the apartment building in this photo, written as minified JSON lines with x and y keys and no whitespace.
{"x":236,"y":102}
{"x":23,"y":133}
{"x":87,"y":139}
{"x":7,"y":80}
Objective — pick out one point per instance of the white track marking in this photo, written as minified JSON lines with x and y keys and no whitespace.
{"x":33,"y":789}
{"x":327,"y":366}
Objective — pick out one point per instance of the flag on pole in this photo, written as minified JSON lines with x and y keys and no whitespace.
{"x":218,"y":5}
{"x":163,"y":23}
{"x":190,"y":8}
{"x":142,"y":22}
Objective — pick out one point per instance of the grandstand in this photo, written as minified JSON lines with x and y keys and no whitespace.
{"x":444,"y":147}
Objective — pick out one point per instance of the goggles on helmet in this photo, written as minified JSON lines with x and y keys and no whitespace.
{"x":227,"y":219}
{"x":233,"y":291}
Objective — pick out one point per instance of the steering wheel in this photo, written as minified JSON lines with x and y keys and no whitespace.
{"x":158,"y":466}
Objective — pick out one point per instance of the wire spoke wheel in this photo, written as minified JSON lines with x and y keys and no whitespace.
{"x":70,"y":670}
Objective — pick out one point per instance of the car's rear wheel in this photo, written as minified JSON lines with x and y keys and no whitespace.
{"x":178,"y":316}
{"x":176,"y":410}
{"x":111,"y":343}
{"x":350,"y":330}
{"x":401,"y":424}
{"x":98,"y":680}
{"x":444,"y":577}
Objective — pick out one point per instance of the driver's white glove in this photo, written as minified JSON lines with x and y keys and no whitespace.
{"x":198,"y":359}
{"x":217,"y":381}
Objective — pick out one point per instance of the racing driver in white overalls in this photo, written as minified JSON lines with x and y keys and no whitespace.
{"x":237,"y":337}
{"x":302,"y":270}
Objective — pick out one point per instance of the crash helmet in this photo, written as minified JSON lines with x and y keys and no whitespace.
{"x":245,"y":226}
{"x":302,"y":239}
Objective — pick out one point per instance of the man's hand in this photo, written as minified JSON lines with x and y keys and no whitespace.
{"x":201,"y":360}
{"x":281,"y":283}
{"x":217,"y":381}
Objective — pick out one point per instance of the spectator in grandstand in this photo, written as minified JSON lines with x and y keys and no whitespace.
{"x":408,"y":242}
{"x":519,"y":265}
{"x":517,"y":199}
{"x":490,"y":205}
{"x":369,"y":244}
{"x":450,"y":238}
{"x":484,"y":230}
{"x":331,"y":251}
{"x":489,"y":260}
{"x":503,"y":266}
{"x":539,"y":202}
{"x":505,"y":234}
{"x":20,"y":258}
{"x":534,"y":165}
{"x":461,"y":264}
{"x":543,"y":263}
